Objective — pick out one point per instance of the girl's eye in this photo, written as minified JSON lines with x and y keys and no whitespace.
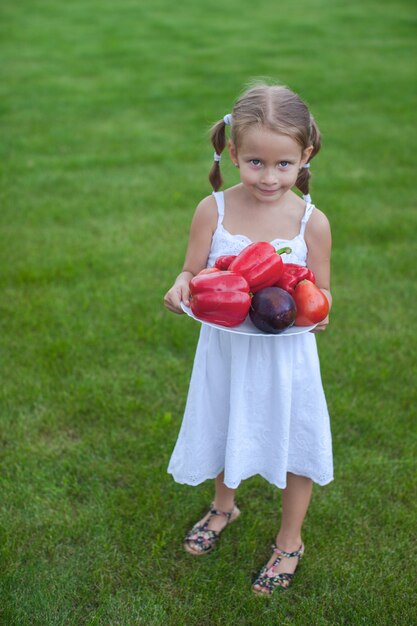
{"x":255,"y":162}
{"x":284,"y":163}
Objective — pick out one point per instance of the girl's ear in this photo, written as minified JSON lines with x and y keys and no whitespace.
{"x":306,"y":155}
{"x":232,"y":151}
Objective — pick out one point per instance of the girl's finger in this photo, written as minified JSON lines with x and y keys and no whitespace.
{"x":185,"y":296}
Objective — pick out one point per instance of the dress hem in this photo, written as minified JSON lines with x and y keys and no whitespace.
{"x":193,"y":483}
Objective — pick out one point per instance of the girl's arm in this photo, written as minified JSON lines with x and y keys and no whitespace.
{"x":319,"y":243}
{"x":202,"y":228}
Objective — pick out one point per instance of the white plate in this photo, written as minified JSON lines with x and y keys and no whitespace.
{"x":248,"y":328}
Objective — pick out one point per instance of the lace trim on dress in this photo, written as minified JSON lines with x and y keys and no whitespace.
{"x":219,"y":197}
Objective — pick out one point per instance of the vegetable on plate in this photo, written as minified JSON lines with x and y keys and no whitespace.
{"x":312,"y":305}
{"x":260,"y":264}
{"x":292,"y":274}
{"x":220,"y":297}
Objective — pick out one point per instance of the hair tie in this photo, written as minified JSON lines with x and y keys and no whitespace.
{"x":228,"y":119}
{"x":306,"y":166}
{"x":217,"y":157}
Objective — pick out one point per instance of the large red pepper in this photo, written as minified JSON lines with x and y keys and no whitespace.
{"x":292,"y":275}
{"x":220,"y":297}
{"x":260,"y":264}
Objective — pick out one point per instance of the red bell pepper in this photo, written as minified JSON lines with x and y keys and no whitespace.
{"x":293,"y":274}
{"x":223,"y":262}
{"x":260,"y":264}
{"x":220,"y":297}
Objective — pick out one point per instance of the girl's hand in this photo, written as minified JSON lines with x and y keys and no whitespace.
{"x":321,"y":326}
{"x":179,"y":292}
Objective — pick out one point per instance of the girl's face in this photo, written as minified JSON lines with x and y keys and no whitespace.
{"x":269,"y":163}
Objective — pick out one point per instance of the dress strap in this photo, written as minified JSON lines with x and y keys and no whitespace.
{"x":219,"y":197}
{"x":307,"y":214}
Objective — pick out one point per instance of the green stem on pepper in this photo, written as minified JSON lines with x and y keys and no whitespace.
{"x":285,"y":250}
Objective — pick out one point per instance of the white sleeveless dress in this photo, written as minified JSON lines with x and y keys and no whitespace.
{"x":255,"y":404}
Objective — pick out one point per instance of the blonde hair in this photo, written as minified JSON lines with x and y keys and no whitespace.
{"x":274,"y":107}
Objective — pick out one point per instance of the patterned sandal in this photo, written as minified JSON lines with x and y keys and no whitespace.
{"x":201,"y":540}
{"x":269,"y":580}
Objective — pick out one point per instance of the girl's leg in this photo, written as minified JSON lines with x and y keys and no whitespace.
{"x":295,"y":500}
{"x":224,"y":500}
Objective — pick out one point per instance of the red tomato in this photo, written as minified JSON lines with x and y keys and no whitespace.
{"x":312,"y":304}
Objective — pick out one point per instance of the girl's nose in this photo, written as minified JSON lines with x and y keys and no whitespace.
{"x":269,"y":176}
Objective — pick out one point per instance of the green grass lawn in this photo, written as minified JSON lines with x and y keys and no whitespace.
{"x":104,"y":155}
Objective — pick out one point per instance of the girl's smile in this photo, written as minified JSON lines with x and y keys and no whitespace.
{"x":269,"y":162}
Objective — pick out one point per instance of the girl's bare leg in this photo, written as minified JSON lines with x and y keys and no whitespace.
{"x":295,"y":500}
{"x":224,"y":500}
{"x":225,"y":497}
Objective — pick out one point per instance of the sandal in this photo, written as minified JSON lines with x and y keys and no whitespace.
{"x":268,"y":580}
{"x":201,"y":540}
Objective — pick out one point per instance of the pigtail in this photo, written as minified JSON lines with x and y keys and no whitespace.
{"x":304,"y":175}
{"x":303,"y":181}
{"x":218,"y":139}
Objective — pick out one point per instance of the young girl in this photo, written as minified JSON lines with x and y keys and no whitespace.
{"x":256,"y":404}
